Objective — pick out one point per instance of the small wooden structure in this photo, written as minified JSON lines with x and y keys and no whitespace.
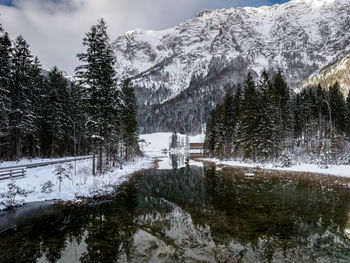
{"x":12,"y":173}
{"x":196,"y":147}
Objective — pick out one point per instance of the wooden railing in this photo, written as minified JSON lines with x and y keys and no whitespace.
{"x":15,"y":171}
{"x":12,"y":173}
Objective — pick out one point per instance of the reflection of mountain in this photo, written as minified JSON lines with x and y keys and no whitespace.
{"x":195,"y":215}
{"x":244,"y":218}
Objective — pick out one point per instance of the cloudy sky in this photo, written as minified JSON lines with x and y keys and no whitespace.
{"x":55,"y":28}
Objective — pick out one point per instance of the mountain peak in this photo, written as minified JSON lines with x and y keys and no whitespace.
{"x":301,"y":37}
{"x":315,"y":2}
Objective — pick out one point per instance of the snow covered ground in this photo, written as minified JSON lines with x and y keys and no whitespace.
{"x":42,"y":183}
{"x":35,"y":160}
{"x":158,"y":143}
{"x":337,"y":170}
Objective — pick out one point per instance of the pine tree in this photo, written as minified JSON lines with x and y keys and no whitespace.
{"x":281,"y":95}
{"x":210,"y":134}
{"x":130,"y":126}
{"x":22,"y":118}
{"x":97,"y":76}
{"x":31,"y":141}
{"x":268,"y":124}
{"x":57,"y":118}
{"x":248,"y":126}
{"x":229,"y":116}
{"x":5,"y":82}
{"x":77,"y":119}
{"x":219,"y":145}
{"x":338,"y":107}
{"x":348,"y":113}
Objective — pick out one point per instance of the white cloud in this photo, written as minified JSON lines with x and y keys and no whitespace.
{"x":54,"y":29}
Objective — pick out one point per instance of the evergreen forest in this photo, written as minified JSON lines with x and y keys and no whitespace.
{"x":266,"y":121}
{"x":46,"y":114}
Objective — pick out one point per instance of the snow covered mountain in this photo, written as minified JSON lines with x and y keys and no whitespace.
{"x":301,"y":37}
{"x":339,"y":71}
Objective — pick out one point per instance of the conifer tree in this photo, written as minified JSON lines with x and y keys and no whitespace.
{"x":130,"y":126}
{"x":77,"y":120}
{"x":5,"y":82}
{"x":229,"y":116}
{"x":338,"y":107}
{"x":97,"y":76}
{"x":281,"y":95}
{"x":268,"y":119}
{"x":57,"y":107}
{"x":248,"y":126}
{"x":22,"y":118}
{"x":210,"y":134}
{"x":32,"y":140}
{"x":348,"y":113}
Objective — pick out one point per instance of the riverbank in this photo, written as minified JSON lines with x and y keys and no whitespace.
{"x":336,"y":170}
{"x":65,"y":183}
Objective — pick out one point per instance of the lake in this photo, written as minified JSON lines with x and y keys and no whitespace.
{"x":185,"y":213}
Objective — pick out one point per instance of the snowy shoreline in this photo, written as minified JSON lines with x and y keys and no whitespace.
{"x":42,"y":183}
{"x":335,"y":170}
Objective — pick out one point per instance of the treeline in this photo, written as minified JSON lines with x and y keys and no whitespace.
{"x":266,"y":121}
{"x":43,"y":114}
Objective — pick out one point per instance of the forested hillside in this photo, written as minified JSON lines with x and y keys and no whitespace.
{"x":267,"y":121}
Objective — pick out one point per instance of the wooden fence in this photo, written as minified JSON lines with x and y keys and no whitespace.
{"x":12,"y":173}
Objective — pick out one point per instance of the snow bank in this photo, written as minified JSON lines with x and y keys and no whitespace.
{"x":337,"y":170}
{"x":81,"y":184}
{"x":34,"y":160}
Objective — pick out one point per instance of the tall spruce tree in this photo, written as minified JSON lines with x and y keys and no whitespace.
{"x":97,"y":76}
{"x":338,"y":107}
{"x":210,"y":134}
{"x":22,"y":118}
{"x":248,"y":126}
{"x":5,"y":82}
{"x":268,"y":119}
{"x":130,"y":126}
{"x":281,"y":94}
{"x":229,"y":116}
{"x":31,"y":141}
{"x":348,"y":114}
{"x":57,"y":118}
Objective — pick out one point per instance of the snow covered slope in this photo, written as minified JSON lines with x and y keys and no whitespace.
{"x":339,"y":71}
{"x":301,"y":36}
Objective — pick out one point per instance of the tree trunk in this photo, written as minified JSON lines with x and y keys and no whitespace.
{"x":100,"y":163}
{"x":93,"y":160}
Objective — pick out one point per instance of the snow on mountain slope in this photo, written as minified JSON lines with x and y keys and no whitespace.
{"x":301,"y":37}
{"x":339,"y":71}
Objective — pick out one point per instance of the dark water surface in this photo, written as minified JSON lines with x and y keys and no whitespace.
{"x":190,"y":214}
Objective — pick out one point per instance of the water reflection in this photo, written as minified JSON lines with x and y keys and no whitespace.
{"x":192,"y":214}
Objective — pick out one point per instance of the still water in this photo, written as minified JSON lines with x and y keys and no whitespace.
{"x":191,"y":214}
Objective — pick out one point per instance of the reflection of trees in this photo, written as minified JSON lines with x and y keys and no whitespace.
{"x":185,"y":186}
{"x":111,"y":231}
{"x":45,"y":236}
{"x":285,"y":211}
{"x":264,"y":213}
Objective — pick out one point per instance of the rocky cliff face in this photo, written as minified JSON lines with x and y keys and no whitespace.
{"x":339,"y":71}
{"x":216,"y":49}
